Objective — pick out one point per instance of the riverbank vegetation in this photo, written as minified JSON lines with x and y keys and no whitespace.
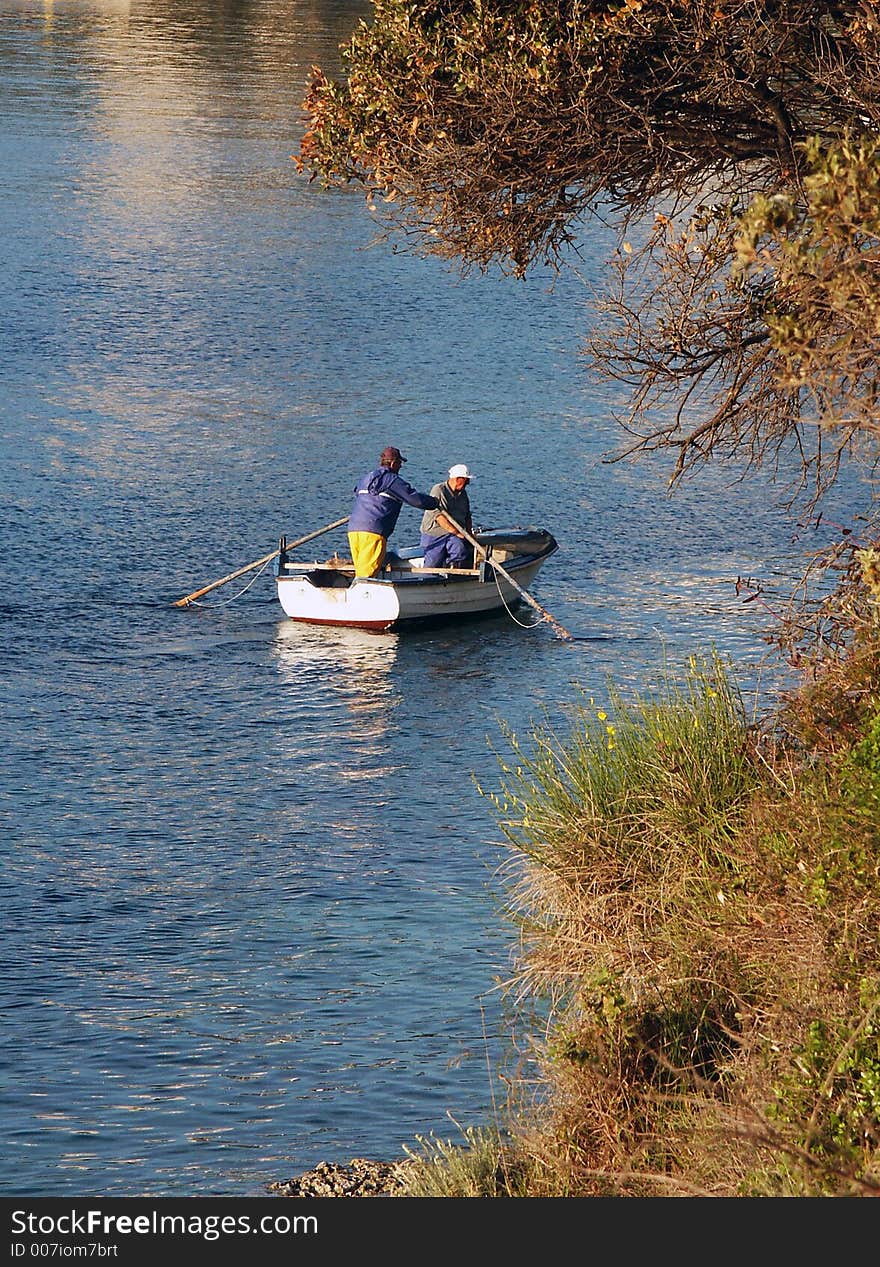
{"x":696,"y":891}
{"x":697,"y":898}
{"x":695,"y":998}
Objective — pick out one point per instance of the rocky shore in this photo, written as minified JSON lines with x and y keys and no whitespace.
{"x":360,"y":1178}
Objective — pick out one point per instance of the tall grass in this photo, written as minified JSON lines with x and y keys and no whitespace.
{"x":626,"y":823}
{"x":481,"y":1165}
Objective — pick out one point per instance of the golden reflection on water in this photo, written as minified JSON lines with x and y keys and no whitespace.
{"x":351,"y":665}
{"x":171,"y":93}
{"x":326,"y":672}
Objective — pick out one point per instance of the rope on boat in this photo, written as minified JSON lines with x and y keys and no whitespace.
{"x":534,"y":623}
{"x":227,"y":601}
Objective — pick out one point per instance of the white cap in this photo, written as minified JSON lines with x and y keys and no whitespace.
{"x":460,"y":472}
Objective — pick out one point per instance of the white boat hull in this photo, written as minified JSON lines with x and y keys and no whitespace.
{"x":325,"y":594}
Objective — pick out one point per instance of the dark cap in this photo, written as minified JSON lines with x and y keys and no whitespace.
{"x":389,"y":455}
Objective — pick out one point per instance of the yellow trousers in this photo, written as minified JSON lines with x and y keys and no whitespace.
{"x":367,"y":552}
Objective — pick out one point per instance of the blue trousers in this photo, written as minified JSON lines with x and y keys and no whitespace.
{"x":448,"y":551}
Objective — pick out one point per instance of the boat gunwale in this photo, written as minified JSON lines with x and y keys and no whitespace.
{"x":419,"y":576}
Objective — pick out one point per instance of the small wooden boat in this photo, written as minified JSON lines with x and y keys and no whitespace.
{"x":406,"y":593}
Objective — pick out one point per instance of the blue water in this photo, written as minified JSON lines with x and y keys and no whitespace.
{"x":251,"y":912}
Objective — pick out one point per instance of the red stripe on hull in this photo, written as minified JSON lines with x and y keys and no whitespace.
{"x":376,"y":626}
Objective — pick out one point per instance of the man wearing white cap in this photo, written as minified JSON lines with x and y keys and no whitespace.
{"x":442,"y":543}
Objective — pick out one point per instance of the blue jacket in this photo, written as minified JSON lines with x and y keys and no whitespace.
{"x":378,"y":499}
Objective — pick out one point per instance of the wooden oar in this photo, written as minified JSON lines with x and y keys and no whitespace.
{"x":249,"y":567}
{"x":560,"y":629}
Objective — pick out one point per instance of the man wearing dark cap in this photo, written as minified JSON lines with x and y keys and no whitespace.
{"x":377,"y":502}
